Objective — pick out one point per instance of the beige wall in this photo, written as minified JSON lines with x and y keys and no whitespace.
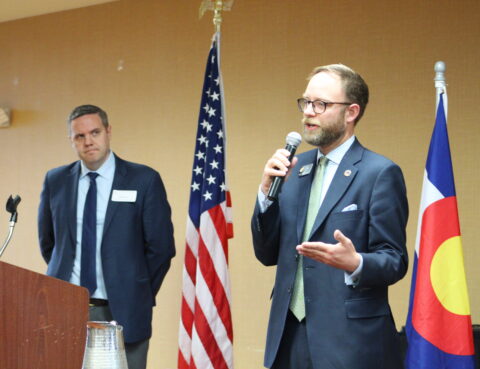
{"x":51,"y":63}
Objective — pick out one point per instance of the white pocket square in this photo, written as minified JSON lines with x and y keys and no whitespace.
{"x":350,"y":207}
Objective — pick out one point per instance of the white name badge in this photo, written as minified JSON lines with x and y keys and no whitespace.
{"x":124,"y":196}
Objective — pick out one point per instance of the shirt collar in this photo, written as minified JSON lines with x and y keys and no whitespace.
{"x":337,"y":154}
{"x":107,"y":168}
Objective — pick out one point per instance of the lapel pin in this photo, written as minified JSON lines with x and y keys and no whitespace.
{"x":306,"y":169}
{"x":347,"y":173}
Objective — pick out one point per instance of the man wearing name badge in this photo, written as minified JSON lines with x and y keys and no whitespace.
{"x":105,"y":224}
{"x":336,"y":234}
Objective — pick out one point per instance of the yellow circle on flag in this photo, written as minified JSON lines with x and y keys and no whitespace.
{"x":448,"y":277}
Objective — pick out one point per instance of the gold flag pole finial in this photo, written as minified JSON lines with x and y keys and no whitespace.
{"x":217,"y":6}
{"x":217,"y":15}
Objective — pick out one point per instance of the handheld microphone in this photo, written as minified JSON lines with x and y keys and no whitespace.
{"x":293,"y":140}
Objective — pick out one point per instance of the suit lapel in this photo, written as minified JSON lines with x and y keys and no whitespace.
{"x":344,"y":176}
{"x":71,"y":201}
{"x":119,"y":180}
{"x":304,"y":185}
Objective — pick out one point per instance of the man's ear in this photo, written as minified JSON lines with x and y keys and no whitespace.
{"x":352,"y":113}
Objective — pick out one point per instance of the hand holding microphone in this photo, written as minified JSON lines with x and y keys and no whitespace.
{"x":278,"y":166}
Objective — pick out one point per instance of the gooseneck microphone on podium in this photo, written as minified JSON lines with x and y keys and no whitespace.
{"x":11,"y":206}
{"x":293,"y":140}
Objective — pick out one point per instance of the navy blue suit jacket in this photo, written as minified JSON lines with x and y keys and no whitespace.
{"x":137,"y":243}
{"x":347,"y":327}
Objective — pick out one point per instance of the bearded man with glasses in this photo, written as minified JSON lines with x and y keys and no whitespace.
{"x":336,"y":234}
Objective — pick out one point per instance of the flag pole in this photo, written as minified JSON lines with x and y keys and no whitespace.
{"x":440,"y":84}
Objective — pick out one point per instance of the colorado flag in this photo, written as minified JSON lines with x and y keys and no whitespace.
{"x":439,"y":326}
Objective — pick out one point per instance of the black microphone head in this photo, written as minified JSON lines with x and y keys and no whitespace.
{"x":294,"y":139}
{"x":12,"y":204}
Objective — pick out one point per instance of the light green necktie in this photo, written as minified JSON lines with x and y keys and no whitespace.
{"x":297,"y":303}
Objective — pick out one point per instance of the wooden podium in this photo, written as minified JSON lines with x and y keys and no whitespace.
{"x":42,"y":321}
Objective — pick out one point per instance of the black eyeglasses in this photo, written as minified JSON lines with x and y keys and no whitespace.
{"x":319,"y":106}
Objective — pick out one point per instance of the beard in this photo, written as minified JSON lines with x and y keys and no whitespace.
{"x":323,"y":135}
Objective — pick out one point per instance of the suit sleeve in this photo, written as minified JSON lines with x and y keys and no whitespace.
{"x":386,"y":260}
{"x":158,"y":232}
{"x":266,"y":233}
{"x":45,"y":224}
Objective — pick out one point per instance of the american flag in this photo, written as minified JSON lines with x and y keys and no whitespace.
{"x":206,"y":333}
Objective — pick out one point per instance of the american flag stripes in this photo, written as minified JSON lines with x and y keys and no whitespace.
{"x":206,"y":333}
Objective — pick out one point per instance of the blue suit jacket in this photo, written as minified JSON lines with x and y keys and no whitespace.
{"x":347,"y":327}
{"x":137,"y":243}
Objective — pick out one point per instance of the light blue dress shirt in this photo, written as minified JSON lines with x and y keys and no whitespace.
{"x":104,"y":187}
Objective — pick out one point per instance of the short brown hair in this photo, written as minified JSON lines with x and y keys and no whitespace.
{"x":87,"y":109}
{"x":356,"y":90}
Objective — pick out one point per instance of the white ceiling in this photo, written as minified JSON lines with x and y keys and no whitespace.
{"x":16,"y":9}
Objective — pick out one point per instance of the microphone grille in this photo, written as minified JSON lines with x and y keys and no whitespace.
{"x":294,"y":139}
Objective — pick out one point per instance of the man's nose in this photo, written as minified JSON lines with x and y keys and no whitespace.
{"x":88,"y":140}
{"x":309,"y":110}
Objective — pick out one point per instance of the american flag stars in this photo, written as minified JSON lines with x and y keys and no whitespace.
{"x":208,"y":179}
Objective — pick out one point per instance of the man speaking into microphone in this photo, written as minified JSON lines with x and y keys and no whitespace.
{"x":336,"y":232}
